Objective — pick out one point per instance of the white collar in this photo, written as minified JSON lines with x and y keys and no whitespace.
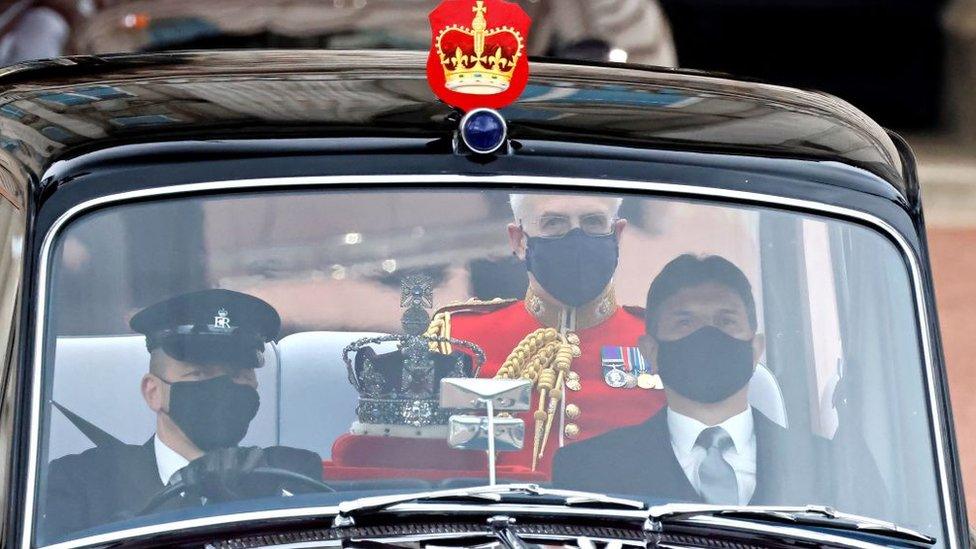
{"x":168,"y":461}
{"x":685,"y":430}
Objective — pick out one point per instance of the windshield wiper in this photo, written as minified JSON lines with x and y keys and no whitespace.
{"x":480,"y":494}
{"x":810,"y":515}
{"x":501,"y":528}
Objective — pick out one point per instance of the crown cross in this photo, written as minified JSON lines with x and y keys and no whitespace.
{"x":462,"y":54}
{"x":479,"y":15}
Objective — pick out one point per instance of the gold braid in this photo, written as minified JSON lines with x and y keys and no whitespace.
{"x":545,"y":358}
{"x":440,"y":326}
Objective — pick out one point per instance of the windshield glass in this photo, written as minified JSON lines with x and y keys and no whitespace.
{"x":214,"y":354}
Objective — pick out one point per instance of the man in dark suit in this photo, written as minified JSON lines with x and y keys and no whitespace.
{"x":204,"y":348}
{"x":709,"y":445}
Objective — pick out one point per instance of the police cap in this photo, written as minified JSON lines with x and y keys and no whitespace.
{"x":210,"y":327}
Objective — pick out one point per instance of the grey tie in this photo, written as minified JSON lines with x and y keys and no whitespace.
{"x":718,"y":483}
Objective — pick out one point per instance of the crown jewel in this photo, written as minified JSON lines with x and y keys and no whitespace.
{"x":478,"y":60}
{"x":401,"y":387}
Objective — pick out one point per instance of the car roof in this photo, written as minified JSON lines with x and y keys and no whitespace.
{"x":56,"y":109}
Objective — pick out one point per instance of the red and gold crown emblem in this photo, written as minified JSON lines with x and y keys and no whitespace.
{"x":478,"y":56}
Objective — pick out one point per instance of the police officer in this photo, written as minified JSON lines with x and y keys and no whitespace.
{"x":569,"y":328}
{"x":204,"y":347}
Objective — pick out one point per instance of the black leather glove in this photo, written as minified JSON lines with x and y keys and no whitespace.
{"x":218,"y":474}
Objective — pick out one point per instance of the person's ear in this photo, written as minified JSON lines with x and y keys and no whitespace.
{"x":154,"y":393}
{"x":516,"y":237}
{"x":246,"y":376}
{"x":619,"y":227}
{"x":648,"y":350}
{"x":758,"y":347}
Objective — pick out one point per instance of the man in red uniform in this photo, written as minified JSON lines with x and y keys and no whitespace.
{"x":570,"y":245}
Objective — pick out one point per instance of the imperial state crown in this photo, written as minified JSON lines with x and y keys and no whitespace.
{"x":399,"y":389}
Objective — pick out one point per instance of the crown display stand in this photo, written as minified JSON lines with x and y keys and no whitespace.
{"x":486,"y":432}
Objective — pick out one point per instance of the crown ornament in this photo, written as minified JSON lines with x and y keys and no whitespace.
{"x":479,"y":60}
{"x":399,"y":389}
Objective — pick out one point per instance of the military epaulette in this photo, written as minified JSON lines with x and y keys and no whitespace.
{"x":440,"y":324}
{"x":475,"y":305}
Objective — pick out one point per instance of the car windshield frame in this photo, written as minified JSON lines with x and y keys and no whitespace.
{"x":937,"y":420}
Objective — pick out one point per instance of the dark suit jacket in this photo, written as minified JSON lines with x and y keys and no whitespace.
{"x":791,"y":468}
{"x":111,"y":483}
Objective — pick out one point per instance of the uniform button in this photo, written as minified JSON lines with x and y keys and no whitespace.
{"x":572,"y":411}
{"x":572,"y":431}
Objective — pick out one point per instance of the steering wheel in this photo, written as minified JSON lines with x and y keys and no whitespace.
{"x":283,"y":476}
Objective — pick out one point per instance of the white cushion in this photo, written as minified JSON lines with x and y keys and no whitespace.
{"x":766,"y":396}
{"x":318,"y":401}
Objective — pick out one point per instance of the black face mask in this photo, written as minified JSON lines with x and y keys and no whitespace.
{"x":573,"y":268}
{"x":706,"y":366}
{"x":214,"y":413}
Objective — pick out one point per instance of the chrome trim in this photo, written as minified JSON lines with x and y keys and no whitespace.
{"x":414,"y":538}
{"x":448,"y":508}
{"x":464,"y":125}
{"x":326,"y":511}
{"x":671,"y":511}
{"x":707,"y":193}
{"x":492,"y":492}
{"x":785,"y":531}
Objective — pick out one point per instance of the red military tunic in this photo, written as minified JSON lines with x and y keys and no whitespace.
{"x":498,"y":328}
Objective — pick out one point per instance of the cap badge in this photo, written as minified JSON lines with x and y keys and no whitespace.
{"x":222,"y":320}
{"x":478,"y":61}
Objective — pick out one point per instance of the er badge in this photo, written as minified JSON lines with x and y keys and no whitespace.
{"x":221,"y":320}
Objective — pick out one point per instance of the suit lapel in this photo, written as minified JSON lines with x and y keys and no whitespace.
{"x":142,"y":475}
{"x":131,"y":479}
{"x":668,"y":479}
{"x":780,"y":459}
{"x":765,"y":460}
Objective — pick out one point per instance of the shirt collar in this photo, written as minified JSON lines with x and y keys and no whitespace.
{"x":684,"y":430}
{"x":168,"y":461}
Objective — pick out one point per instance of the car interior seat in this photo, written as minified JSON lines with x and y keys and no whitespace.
{"x":318,"y":401}
{"x":98,"y":378}
{"x":766,"y":396}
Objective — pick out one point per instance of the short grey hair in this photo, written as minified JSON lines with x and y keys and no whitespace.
{"x":518,"y":201}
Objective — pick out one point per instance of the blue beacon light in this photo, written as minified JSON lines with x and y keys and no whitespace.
{"x":483,"y":130}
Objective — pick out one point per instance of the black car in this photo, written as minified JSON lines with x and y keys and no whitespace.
{"x":434,"y":302}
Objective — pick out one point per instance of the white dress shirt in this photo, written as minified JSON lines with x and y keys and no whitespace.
{"x":741,"y":456}
{"x":167,"y":460}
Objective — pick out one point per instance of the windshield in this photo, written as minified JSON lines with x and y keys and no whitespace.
{"x":211,"y":354}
